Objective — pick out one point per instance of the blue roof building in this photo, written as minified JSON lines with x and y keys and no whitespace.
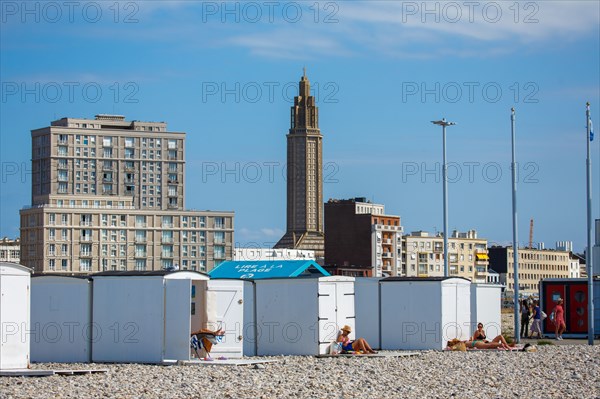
{"x":263,"y":269}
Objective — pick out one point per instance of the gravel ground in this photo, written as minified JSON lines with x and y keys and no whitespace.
{"x":571,"y":371}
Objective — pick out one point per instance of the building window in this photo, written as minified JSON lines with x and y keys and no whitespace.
{"x":52,"y":264}
{"x":64,"y":264}
{"x":85,"y":265}
{"x":219,"y":237}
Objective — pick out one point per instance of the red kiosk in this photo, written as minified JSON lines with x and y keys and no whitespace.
{"x":574,"y":292}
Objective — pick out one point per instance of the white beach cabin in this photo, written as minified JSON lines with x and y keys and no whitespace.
{"x":61,"y":316}
{"x":302,"y":316}
{"x":486,"y":308}
{"x":147,"y":317}
{"x":290,"y":307}
{"x":424,"y":313}
{"x":14,"y":316}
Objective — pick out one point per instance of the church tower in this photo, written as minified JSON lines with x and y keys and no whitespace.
{"x":304,"y":176}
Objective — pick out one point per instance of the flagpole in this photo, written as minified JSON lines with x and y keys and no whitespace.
{"x":514,"y":223}
{"x":588,"y":255}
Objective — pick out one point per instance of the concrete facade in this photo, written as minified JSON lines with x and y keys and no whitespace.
{"x":361,"y":240}
{"x":10,"y":250}
{"x":534,"y":265}
{"x":423,"y":255}
{"x":107,"y":194}
{"x":304,"y":176}
{"x":272,"y":254}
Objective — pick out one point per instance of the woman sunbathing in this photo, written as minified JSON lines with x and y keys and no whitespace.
{"x":498,"y":342}
{"x":479,"y":334}
{"x":359,"y":345}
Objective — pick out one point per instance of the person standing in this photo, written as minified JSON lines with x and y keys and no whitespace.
{"x":559,"y":319}
{"x":536,"y":326}
{"x":525,"y":315}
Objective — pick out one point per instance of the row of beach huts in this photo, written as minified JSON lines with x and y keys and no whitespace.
{"x":265,"y":307}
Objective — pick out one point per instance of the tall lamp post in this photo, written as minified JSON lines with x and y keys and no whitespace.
{"x":514,"y":225}
{"x":443,"y":123}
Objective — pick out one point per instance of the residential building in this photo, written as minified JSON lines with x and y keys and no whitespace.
{"x":493,"y":277}
{"x":108,"y":194}
{"x":251,"y":254}
{"x":10,"y":250}
{"x":574,"y":266}
{"x":304,"y":176}
{"x":534,"y":265}
{"x":423,"y":255}
{"x":361,"y":240}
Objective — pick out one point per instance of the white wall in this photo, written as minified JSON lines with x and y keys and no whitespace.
{"x":367,"y":310}
{"x":423,"y":314}
{"x":129,"y":319}
{"x":61,"y":315}
{"x":14,"y":316}
{"x":486,"y":308}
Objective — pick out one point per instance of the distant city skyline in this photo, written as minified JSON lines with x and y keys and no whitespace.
{"x":380,"y":72}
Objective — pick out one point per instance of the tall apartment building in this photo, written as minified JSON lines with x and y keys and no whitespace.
{"x":423,"y":255}
{"x":534,"y":265}
{"x":361,"y":240}
{"x":10,"y":250}
{"x":108,"y":194}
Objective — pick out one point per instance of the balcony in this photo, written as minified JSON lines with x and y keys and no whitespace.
{"x":172,"y":181}
{"x":130,"y":168}
{"x":167,"y":254}
{"x":85,"y":223}
{"x":85,"y":238}
{"x":388,"y":255}
{"x":141,"y":254}
{"x":108,"y":192}
{"x":63,"y":179}
{"x":62,"y":141}
{"x":173,"y":206}
{"x":139,"y":239}
{"x":107,"y":167}
{"x":85,"y":254}
{"x":63,"y":166}
{"x":167,"y":240}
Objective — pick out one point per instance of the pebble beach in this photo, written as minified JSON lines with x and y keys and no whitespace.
{"x":554,"y":371}
{"x":568,"y":371}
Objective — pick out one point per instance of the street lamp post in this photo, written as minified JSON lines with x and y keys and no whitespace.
{"x":443,"y":123}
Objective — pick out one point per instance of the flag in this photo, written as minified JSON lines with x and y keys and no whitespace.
{"x":591,"y":131}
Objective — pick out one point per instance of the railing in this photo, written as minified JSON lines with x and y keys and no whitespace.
{"x":85,"y":239}
{"x":167,"y":240}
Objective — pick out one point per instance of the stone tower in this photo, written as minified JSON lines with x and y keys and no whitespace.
{"x":304,"y":176}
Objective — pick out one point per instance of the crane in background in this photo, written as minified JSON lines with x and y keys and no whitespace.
{"x":531,"y":233}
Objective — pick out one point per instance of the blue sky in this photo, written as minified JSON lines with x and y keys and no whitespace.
{"x":225,"y":74}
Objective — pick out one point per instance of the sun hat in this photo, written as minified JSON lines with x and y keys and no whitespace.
{"x":347,"y":328}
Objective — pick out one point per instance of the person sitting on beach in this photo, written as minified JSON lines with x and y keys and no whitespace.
{"x":498,"y":342}
{"x":358,"y":345}
{"x":479,"y":334}
{"x":205,"y":339}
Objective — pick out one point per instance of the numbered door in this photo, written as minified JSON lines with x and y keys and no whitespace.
{"x":229,"y":313}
